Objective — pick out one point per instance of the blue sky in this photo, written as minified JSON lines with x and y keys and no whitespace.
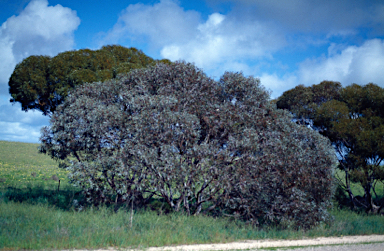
{"x":284,"y":43}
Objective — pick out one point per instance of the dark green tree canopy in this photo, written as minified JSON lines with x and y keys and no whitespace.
{"x":355,"y":125}
{"x":302,"y":101}
{"x":200,"y":144}
{"x":42,"y":83}
{"x":353,"y":119}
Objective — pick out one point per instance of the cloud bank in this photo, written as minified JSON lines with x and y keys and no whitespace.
{"x":40,"y":29}
{"x":354,"y":64}
{"x":249,"y":36}
{"x":159,"y":24}
{"x":221,"y":40}
{"x":313,"y":16}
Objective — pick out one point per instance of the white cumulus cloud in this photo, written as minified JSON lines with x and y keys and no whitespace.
{"x":224,"y":39}
{"x":277,"y":85}
{"x":346,"y":64}
{"x":314,"y":16}
{"x":159,"y":24}
{"x":39,"y":29}
{"x":180,"y":34}
{"x":353,"y":64}
{"x":17,"y":125}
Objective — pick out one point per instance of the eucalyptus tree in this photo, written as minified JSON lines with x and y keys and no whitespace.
{"x":302,"y":101}
{"x":353,"y":119}
{"x":201,"y":145}
{"x":42,"y":82}
{"x":355,"y":125}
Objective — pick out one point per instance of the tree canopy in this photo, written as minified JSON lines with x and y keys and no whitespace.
{"x":42,"y":82}
{"x":201,"y":145}
{"x":353,"y":119}
{"x":302,"y":101}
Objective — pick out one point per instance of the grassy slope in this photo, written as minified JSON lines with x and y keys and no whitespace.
{"x":46,"y":220}
{"x":18,"y":153}
{"x":21,"y":166}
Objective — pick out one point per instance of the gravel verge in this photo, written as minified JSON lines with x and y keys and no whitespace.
{"x":376,"y":242}
{"x":347,"y":247}
{"x":257,"y":244}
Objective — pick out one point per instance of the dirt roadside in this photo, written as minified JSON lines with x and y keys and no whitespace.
{"x":260,"y":244}
{"x":378,"y":246}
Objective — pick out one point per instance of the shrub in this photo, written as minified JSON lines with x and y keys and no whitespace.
{"x":200,"y":144}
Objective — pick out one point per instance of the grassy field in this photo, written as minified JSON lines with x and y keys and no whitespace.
{"x":35,"y":215}
{"x":21,"y":166}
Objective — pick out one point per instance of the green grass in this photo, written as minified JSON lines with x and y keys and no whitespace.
{"x":34,"y":215}
{"x":357,"y":189}
{"x":23,"y":154}
{"x":21,"y":166}
{"x":45,"y":227}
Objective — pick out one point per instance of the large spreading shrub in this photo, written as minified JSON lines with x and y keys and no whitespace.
{"x":169,"y":131}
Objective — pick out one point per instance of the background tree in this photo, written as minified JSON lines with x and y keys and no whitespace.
{"x":200,"y":144}
{"x":355,"y":125}
{"x":353,"y":119}
{"x":302,"y":101}
{"x":42,"y":83}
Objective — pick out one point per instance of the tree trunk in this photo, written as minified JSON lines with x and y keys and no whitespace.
{"x":372,"y":208}
{"x":348,"y":188}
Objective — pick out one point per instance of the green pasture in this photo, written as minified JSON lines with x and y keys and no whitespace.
{"x":357,"y":189}
{"x":17,"y":153}
{"x":21,"y":166}
{"x":24,"y":175}
{"x":35,"y":215}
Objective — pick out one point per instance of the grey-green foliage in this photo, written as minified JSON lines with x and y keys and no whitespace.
{"x":283,"y":172}
{"x":170,"y":131}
